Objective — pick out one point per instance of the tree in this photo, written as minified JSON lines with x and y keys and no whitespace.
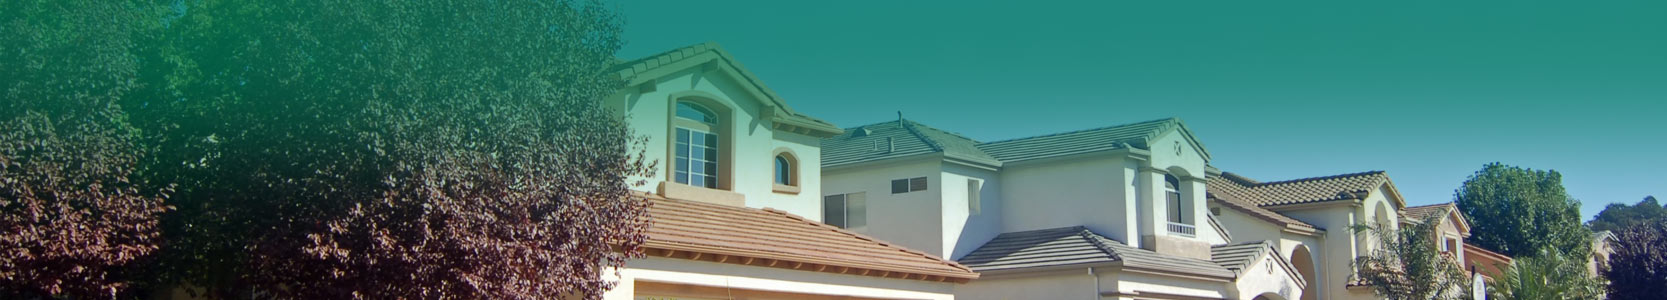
{"x":1617,"y":216}
{"x":1407,"y":263}
{"x":1550,"y":275}
{"x":1637,"y":267}
{"x":1517,"y":212}
{"x":72,"y":225}
{"x":412,"y":149}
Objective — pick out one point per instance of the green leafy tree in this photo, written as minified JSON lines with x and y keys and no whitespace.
{"x":1517,"y":211}
{"x":1550,"y":275}
{"x":1617,"y":216}
{"x":391,"y":150}
{"x":1637,"y":266}
{"x":1408,"y":264}
{"x":72,"y":224}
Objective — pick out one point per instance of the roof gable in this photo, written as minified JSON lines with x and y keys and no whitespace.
{"x":1448,"y":212}
{"x":709,"y":56}
{"x":1239,"y":257}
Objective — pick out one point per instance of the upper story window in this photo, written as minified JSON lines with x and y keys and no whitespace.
{"x":1179,"y":211}
{"x":697,"y":146}
{"x":975,"y":189}
{"x":784,"y":169}
{"x":849,"y":211}
{"x":900,"y":186}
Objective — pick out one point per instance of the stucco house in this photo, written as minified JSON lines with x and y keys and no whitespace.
{"x":1118,"y":212}
{"x":737,"y":195}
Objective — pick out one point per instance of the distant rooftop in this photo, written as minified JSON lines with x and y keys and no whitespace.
{"x":901,"y":138}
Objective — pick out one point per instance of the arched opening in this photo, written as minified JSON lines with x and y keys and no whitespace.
{"x":1303,"y":261}
{"x":787,"y":169}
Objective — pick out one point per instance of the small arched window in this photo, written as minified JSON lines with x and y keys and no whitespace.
{"x":784,"y":170}
{"x":697,"y":149}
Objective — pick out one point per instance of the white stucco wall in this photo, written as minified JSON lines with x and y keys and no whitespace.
{"x":702,"y":273}
{"x":1057,"y":285}
{"x":1336,"y":257}
{"x":913,"y":219}
{"x":1067,"y":192}
{"x":964,"y":232}
{"x":751,"y":143}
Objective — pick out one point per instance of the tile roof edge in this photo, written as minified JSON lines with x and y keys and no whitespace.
{"x":1081,"y":130}
{"x":1300,"y":180}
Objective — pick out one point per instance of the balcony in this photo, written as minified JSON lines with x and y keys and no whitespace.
{"x":1180,"y":229}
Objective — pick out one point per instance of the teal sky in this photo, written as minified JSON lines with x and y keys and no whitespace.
{"x":1426,"y":90}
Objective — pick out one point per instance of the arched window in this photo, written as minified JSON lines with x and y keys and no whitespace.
{"x":1179,"y":210}
{"x":784,"y":170}
{"x":697,"y":145}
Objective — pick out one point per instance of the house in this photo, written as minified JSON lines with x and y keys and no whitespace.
{"x":1312,"y":221}
{"x":736,"y":197}
{"x":1118,"y":212}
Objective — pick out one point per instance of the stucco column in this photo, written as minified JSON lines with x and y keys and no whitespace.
{"x":1152,"y":222}
{"x":1192,"y":190}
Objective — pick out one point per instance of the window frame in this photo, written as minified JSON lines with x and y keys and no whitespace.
{"x":975,"y":190}
{"x":713,"y":158}
{"x":846,"y":212}
{"x":909,"y":185}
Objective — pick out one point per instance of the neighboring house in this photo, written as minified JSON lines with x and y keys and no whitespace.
{"x":1116,"y":212}
{"x":1490,"y":264}
{"x":1602,"y":246}
{"x":1310,"y":220}
{"x":1452,"y":230}
{"x":727,"y":147}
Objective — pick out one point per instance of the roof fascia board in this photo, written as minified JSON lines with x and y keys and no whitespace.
{"x":806,"y":259}
{"x":1174,"y":274}
{"x":1070,"y":269}
{"x":957,"y":159}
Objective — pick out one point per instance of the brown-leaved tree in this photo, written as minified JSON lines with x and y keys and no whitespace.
{"x":72,"y":224}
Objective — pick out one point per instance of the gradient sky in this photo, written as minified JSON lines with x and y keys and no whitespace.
{"x":1428,"y":90}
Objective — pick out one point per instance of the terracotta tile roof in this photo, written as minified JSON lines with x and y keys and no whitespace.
{"x":907,"y":138}
{"x":643,"y":69}
{"x":1068,"y":246}
{"x":768,"y":237}
{"x":1298,"y":191}
{"x":1424,"y":211}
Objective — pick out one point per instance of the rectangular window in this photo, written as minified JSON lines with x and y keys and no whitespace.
{"x":849,"y":211}
{"x":973,"y":191}
{"x":697,"y":158}
{"x":900,"y":186}
{"x":1450,"y":245}
{"x":1176,"y":211}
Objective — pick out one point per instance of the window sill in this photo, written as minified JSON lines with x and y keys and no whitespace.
{"x":785,"y":189}
{"x":680,"y":191}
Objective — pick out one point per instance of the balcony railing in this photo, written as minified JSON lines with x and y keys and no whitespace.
{"x":1182,"y":229}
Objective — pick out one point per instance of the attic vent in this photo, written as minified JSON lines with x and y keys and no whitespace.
{"x":883,"y":146}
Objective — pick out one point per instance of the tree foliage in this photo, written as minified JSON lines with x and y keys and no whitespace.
{"x":1617,"y":216}
{"x":332,"y":149}
{"x":71,"y":223}
{"x":1550,"y":275}
{"x":1406,"y":263}
{"x":1637,"y":266}
{"x":1517,"y":212}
